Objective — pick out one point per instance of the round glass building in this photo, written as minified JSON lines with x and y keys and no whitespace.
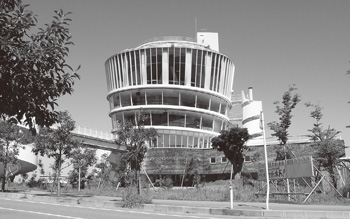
{"x":183,"y":86}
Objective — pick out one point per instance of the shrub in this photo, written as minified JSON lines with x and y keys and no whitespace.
{"x":133,"y":200}
{"x":345,"y":190}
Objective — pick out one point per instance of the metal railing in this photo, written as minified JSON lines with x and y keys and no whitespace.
{"x":169,"y":38}
{"x":81,"y":130}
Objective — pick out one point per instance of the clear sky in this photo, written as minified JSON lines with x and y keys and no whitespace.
{"x":273,"y":43}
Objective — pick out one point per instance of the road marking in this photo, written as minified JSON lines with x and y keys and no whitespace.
{"x":116,"y":210}
{"x":41,"y":213}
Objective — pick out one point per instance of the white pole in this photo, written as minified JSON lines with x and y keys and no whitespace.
{"x":231,"y":188}
{"x":266,"y":163}
{"x":79,"y":180}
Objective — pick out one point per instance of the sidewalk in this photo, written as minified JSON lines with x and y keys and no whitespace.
{"x":246,"y":209}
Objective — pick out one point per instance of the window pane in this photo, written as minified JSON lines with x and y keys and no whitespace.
{"x":159,"y":118}
{"x":176,"y":119}
{"x":154,"y":97}
{"x":149,"y":66}
{"x":138,"y":98}
{"x":171,"y":97}
{"x":202,"y":102}
{"x":125,"y":99}
{"x":188,"y":99}
{"x":116,"y":101}
{"x":171,"y":65}
{"x":207,"y":123}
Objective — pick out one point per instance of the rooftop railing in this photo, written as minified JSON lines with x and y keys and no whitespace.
{"x":170,"y":38}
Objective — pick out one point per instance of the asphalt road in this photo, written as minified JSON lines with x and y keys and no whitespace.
{"x":24,"y":209}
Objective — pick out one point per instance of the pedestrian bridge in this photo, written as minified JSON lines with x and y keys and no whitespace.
{"x":97,"y":139}
{"x":28,"y":161}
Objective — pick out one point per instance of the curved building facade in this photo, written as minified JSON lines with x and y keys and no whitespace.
{"x":183,"y":86}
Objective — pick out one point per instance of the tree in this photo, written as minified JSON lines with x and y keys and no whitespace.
{"x":231,"y":143}
{"x":81,"y":160}
{"x":135,"y":137}
{"x":103,"y":170}
{"x":33,"y":70}
{"x":10,"y":136}
{"x":289,"y":102}
{"x":57,"y":143}
{"x":328,"y":149}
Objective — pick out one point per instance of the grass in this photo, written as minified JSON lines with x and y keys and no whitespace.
{"x":213,"y":191}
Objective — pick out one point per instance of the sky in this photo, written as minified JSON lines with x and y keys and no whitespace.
{"x":273,"y":44}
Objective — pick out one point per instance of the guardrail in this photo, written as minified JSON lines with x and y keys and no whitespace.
{"x":81,"y":130}
{"x":169,"y":38}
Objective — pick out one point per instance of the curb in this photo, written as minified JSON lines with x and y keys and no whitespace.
{"x":287,"y":214}
{"x":251,"y":213}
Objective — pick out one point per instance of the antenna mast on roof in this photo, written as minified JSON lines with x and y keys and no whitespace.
{"x":195,"y":26}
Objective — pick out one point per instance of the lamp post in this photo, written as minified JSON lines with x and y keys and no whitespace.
{"x":262,"y":126}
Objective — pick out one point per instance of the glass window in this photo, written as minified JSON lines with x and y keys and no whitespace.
{"x":118,"y":120}
{"x":125,"y":99}
{"x":193,"y":70}
{"x":217,"y":125}
{"x":212,"y":160}
{"x":177,"y":66}
{"x":215,"y":104}
{"x":159,"y":65}
{"x":192,"y":121}
{"x":154,"y":66}
{"x":195,"y":142}
{"x":149,"y":66}
{"x":188,"y":99}
{"x":138,"y":70}
{"x":218,"y":75}
{"x":223,"y":108}
{"x":207,"y":123}
{"x":159,"y":118}
{"x":133,"y":67}
{"x":171,"y":97}
{"x":129,"y":117}
{"x":199,"y":68}
{"x":182,"y":66}
{"x":202,"y":101}
{"x":160,"y":139}
{"x":146,"y":118}
{"x":172,"y":141}
{"x":171,"y":65}
{"x":184,"y":141}
{"x":154,"y":97}
{"x":138,"y":98}
{"x":166,"y":140}
{"x":190,"y":141}
{"x":179,"y":141}
{"x":176,"y":119}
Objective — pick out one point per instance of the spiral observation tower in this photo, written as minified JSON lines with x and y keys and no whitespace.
{"x":182,"y":85}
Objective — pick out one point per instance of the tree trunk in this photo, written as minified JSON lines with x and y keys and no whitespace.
{"x":58,"y":179}
{"x":3,"y":179}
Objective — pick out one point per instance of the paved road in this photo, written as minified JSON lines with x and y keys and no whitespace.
{"x":24,"y":209}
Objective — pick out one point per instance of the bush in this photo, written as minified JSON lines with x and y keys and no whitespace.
{"x":345,"y":191}
{"x":133,"y":200}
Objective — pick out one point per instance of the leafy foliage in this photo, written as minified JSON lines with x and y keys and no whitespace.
{"x":289,"y":102}
{"x":328,"y":149}
{"x":81,"y":158}
{"x":135,"y":137}
{"x":33,"y":70}
{"x":10,"y":137}
{"x":57,"y":143}
{"x":103,"y":171}
{"x":231,"y":142}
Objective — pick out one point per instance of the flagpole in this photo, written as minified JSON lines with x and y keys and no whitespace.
{"x":266,"y":163}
